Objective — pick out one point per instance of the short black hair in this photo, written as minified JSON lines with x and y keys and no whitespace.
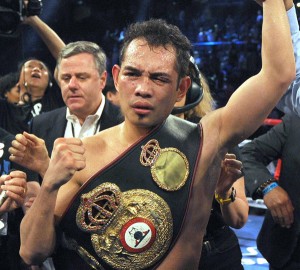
{"x":7,"y":82}
{"x":157,"y":32}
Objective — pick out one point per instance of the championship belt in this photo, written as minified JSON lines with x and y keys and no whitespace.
{"x":131,"y":229}
{"x":130,"y":213}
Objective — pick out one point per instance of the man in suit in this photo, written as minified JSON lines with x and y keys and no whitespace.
{"x":81,"y":70}
{"x":278,"y":240}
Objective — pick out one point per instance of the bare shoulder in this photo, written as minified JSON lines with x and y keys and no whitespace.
{"x":101,"y":139}
{"x":100,"y":150}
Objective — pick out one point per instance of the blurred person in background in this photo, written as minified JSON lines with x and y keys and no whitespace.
{"x":9,"y":87}
{"x":111,"y":93}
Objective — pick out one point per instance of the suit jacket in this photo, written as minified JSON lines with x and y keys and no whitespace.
{"x":282,"y":141}
{"x":51,"y":125}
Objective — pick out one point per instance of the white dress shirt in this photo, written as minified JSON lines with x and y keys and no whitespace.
{"x":90,"y":126}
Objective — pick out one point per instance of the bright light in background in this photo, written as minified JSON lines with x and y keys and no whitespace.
{"x":298,"y":4}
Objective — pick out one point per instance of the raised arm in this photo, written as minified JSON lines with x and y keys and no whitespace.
{"x":253,"y":101}
{"x":50,"y":38}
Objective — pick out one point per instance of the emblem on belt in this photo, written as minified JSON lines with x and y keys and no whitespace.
{"x":169,"y":166}
{"x":98,"y":207}
{"x":137,"y":235}
{"x":131,"y":229}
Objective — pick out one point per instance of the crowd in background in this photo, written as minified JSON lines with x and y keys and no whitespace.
{"x":232,"y":48}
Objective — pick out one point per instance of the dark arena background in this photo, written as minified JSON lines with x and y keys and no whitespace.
{"x":226,"y":37}
{"x":225,"y":33}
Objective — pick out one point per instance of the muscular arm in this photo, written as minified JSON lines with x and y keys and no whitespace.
{"x":38,"y":235}
{"x":252,"y":102}
{"x":42,"y":214}
{"x":225,"y":127}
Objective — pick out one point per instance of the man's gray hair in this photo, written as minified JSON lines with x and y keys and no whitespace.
{"x":78,"y":47}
